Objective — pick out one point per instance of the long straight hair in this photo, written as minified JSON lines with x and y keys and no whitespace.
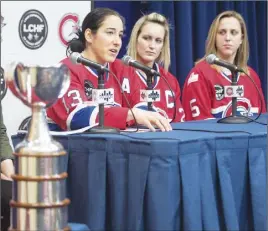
{"x":242,"y":54}
{"x":164,"y":57}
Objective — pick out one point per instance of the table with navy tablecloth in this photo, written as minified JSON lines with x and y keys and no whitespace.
{"x":78,"y":227}
{"x":203,"y":175}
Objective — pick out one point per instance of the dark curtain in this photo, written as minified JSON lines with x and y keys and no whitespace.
{"x":190,"y":22}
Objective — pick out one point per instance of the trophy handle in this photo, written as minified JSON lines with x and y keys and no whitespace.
{"x":31,"y":84}
{"x":66,"y":83}
{"x":15,"y":81}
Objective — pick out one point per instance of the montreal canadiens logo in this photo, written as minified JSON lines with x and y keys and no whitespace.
{"x":33,"y":29}
{"x":68,"y":26}
{"x":229,"y":91}
{"x":243,"y":108}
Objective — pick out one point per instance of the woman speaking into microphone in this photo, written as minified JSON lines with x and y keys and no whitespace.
{"x":99,"y":41}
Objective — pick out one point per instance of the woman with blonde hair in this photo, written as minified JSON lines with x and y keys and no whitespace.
{"x":203,"y":92}
{"x":149,"y":45}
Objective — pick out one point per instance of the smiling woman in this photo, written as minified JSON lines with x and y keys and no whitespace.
{"x":99,"y":41}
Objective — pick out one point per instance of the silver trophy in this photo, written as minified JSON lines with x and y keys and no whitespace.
{"x":39,"y":196}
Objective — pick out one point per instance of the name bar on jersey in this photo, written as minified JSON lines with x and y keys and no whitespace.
{"x":150,"y":95}
{"x":103,"y":96}
{"x":234,"y":91}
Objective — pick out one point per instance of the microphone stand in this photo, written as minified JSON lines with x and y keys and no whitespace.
{"x":101,"y":128}
{"x":234,"y":119}
{"x":149,"y":87}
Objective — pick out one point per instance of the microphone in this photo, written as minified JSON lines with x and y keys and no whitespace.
{"x":127,"y":60}
{"x":76,"y":58}
{"x":149,"y":95}
{"x":232,"y":91}
{"x":100,"y":95}
{"x":212,"y":59}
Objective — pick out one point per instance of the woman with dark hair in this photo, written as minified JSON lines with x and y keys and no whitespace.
{"x":100,"y":40}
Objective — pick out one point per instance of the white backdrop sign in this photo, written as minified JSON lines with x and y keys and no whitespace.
{"x":36,"y":33}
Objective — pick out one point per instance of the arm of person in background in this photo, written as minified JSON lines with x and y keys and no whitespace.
{"x":7,"y":167}
{"x":196,"y":97}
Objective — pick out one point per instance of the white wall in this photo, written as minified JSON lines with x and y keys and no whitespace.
{"x":52,"y":51}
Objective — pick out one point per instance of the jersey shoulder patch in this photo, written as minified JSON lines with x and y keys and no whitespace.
{"x":193,"y":78}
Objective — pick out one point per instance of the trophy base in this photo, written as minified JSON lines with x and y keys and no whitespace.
{"x":102,"y":129}
{"x":235,"y":120}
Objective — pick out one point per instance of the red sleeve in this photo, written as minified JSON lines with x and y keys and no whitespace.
{"x":180,"y":115}
{"x":115,"y":117}
{"x":256,"y":79}
{"x":196,"y":97}
{"x":74,"y":111}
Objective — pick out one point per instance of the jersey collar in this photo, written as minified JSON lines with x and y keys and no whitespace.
{"x":143,"y":77}
{"x":95,"y":73}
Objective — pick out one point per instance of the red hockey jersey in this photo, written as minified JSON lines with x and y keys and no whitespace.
{"x":203,"y":93}
{"x":76,"y":110}
{"x":133,"y":81}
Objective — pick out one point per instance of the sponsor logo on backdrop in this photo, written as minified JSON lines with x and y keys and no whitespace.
{"x":33,"y":29}
{"x":68,"y":26}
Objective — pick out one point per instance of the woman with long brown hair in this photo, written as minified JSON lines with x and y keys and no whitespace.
{"x":203,"y":93}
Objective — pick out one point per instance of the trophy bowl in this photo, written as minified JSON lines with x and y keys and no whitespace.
{"x":39,"y":196}
{"x":37,"y":84}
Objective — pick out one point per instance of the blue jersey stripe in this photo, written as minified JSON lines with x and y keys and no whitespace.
{"x":81,"y":118}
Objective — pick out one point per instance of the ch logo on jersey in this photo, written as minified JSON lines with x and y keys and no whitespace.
{"x":244,"y":108}
{"x":143,"y":95}
{"x":234,"y":91}
{"x":68,"y":26}
{"x":219,"y":91}
{"x":229,"y":91}
{"x":88,"y":86}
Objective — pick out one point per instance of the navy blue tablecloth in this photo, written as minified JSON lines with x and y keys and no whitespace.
{"x":214,"y":179}
{"x":78,"y":227}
